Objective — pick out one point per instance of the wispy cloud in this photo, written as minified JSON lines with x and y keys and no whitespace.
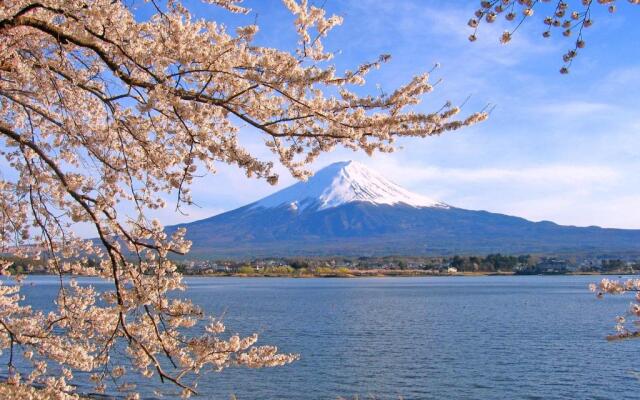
{"x":571,"y":175}
{"x":573,"y":109}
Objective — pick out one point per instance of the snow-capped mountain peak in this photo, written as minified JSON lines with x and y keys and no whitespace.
{"x":341,"y":183}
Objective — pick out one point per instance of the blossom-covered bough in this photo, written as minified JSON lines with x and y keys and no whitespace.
{"x":98,"y":108}
{"x":626,"y":325}
{"x":566,"y":16}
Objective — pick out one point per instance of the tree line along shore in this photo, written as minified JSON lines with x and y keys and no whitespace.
{"x":492,"y":264}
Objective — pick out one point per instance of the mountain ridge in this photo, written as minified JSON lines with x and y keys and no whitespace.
{"x":346,"y":209}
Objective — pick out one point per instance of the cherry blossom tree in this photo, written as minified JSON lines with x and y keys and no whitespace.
{"x":99,"y":109}
{"x":569,"y":18}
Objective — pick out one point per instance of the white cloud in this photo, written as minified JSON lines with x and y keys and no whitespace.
{"x":573,"y":109}
{"x":571,"y":208}
{"x":556,"y":174}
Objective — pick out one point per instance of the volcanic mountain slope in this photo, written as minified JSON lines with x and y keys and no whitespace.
{"x":348,"y":209}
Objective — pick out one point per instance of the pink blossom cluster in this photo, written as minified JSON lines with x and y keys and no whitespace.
{"x":567,"y":16}
{"x":625,"y":328}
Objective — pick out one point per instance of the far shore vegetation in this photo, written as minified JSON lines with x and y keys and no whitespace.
{"x":299,"y":267}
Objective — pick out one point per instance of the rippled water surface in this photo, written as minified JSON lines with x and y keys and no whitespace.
{"x":535,"y":337}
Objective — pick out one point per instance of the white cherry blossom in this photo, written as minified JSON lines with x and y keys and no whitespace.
{"x":98,"y":108}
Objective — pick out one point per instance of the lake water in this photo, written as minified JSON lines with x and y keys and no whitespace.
{"x":514,"y":337}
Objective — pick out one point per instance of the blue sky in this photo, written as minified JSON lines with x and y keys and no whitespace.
{"x":557,"y":147}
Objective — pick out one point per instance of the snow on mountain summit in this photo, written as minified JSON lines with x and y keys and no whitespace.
{"x":341,"y":183}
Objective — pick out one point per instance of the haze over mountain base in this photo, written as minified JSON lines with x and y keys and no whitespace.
{"x":346,"y":209}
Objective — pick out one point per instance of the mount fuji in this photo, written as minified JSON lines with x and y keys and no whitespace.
{"x":347,"y":209}
{"x":342,"y":183}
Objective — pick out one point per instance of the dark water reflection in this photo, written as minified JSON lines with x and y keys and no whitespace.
{"x":529,"y":337}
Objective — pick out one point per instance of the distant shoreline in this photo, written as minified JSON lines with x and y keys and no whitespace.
{"x":384,"y":274}
{"x":368,"y":274}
